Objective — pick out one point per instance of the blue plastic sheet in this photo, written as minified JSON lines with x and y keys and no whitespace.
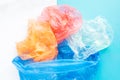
{"x":62,"y":69}
{"x":64,"y":51}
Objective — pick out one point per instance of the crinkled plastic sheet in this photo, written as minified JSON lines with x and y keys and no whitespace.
{"x":64,"y":69}
{"x":38,"y":45}
{"x":64,"y":51}
{"x":64,"y":20}
{"x":95,"y":35}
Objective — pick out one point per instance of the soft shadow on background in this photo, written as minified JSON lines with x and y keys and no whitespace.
{"x":109,"y":68}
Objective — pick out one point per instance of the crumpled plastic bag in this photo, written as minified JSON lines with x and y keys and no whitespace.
{"x":38,"y":45}
{"x":63,"y":69}
{"x":64,"y":51}
{"x":95,"y":35}
{"x":64,"y":20}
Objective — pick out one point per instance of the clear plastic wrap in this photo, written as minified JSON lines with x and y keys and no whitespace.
{"x":65,"y":69}
{"x":64,"y":20}
{"x":95,"y":35}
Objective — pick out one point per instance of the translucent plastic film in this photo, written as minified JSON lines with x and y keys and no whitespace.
{"x":65,"y":69}
{"x":38,"y":45}
{"x":95,"y":35}
{"x":64,"y":20}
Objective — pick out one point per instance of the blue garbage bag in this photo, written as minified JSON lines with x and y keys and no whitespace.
{"x":60,"y":69}
{"x":64,"y":51}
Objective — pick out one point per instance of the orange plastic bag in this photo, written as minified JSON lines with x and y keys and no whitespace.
{"x":64,"y":20}
{"x":40,"y":44}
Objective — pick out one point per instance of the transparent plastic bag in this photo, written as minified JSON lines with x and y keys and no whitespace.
{"x":63,"y":69}
{"x":65,"y":52}
{"x":95,"y":35}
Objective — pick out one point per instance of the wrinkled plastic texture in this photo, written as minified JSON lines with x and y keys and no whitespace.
{"x":65,"y":69}
{"x":38,"y":45}
{"x":95,"y":35}
{"x":64,"y":20}
{"x":64,"y":51}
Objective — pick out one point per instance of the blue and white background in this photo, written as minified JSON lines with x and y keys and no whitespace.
{"x":13,"y":19}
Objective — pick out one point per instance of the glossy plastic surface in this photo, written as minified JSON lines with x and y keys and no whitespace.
{"x":94,"y":36}
{"x":65,"y":69}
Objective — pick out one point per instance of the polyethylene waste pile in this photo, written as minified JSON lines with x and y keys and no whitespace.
{"x":60,"y":45}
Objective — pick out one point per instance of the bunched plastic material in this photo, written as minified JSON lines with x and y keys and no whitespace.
{"x":94,"y":36}
{"x":64,"y":20}
{"x":64,"y":51}
{"x":38,"y":45}
{"x":63,"y":69}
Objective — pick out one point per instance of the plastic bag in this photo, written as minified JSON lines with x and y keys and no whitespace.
{"x":64,"y":51}
{"x":95,"y":35}
{"x":38,"y":45}
{"x":65,"y":69}
{"x":64,"y":20}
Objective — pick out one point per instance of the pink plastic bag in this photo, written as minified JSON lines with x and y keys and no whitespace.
{"x":64,"y":20}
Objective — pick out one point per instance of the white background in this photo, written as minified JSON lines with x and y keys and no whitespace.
{"x":14,"y":15}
